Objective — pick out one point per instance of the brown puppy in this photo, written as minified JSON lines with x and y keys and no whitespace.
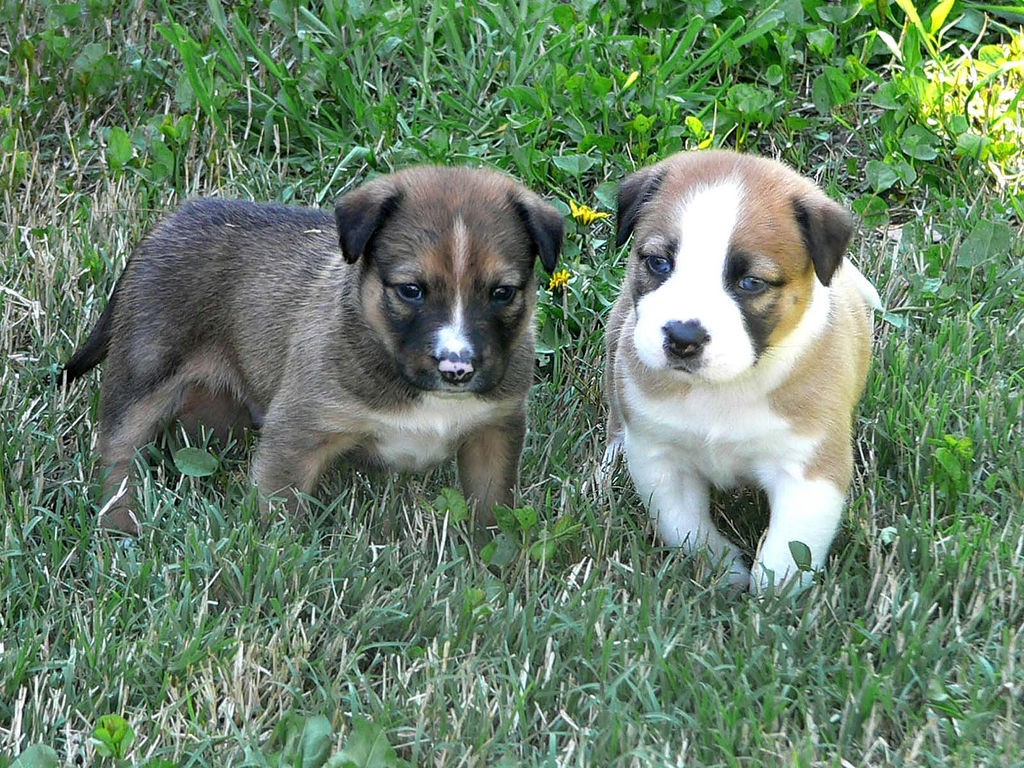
{"x":737,"y":353}
{"x":411,"y":342}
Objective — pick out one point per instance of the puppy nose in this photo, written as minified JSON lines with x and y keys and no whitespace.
{"x":456,"y":367}
{"x":685,"y":340}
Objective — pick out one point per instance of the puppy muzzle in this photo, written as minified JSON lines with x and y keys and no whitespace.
{"x":684,"y":342}
{"x":456,"y":367}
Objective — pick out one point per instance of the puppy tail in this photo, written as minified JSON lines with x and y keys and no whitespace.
{"x":92,"y":352}
{"x":865,"y":287}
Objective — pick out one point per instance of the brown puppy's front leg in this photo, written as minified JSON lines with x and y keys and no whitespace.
{"x":488,"y":463}
{"x":289,"y":461}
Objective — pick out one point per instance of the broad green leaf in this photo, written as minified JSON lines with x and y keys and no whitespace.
{"x":526,"y":517}
{"x":987,"y":240}
{"x":195,"y":462}
{"x":119,"y":147}
{"x":304,"y":742}
{"x":607,"y":193}
{"x":501,"y":551}
{"x":472,"y":598}
{"x":642,"y":123}
{"x":750,"y":101}
{"x":599,"y":84}
{"x":505,"y":518}
{"x":872,"y":209}
{"x":837,"y":14}
{"x":162,"y":161}
{"x":822,"y":40}
{"x":543,"y":549}
{"x":367,"y":746}
{"x":970,"y":144}
{"x":950,"y":464}
{"x":452,"y":503}
{"x":113,"y":736}
{"x":574,"y":164}
{"x":801,"y":555}
{"x":564,"y":15}
{"x":880,"y":175}
{"x":831,"y":89}
{"x":37,"y":756}
{"x":317,"y":741}
{"x":919,"y":143}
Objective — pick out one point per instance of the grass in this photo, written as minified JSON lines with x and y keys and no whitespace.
{"x":583,"y":642}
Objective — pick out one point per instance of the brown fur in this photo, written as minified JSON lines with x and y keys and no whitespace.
{"x":237,"y":313}
{"x":819,"y":404}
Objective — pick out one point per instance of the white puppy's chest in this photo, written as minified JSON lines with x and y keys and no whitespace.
{"x":427,"y":434}
{"x":726,"y":437}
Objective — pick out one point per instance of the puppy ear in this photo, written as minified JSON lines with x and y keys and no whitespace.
{"x":635,"y":190}
{"x":544,"y":224}
{"x":826,"y":228}
{"x":361,"y":213}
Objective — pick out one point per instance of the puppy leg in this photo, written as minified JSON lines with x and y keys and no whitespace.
{"x":488,"y":464}
{"x":679,"y":504}
{"x":290,"y":459}
{"x":127,"y":423}
{"x":802,"y":510}
{"x":612,"y":452}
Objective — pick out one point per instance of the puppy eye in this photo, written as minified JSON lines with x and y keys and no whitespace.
{"x":751,"y":284}
{"x":503,"y":294}
{"x":659,"y":265}
{"x":410,"y":292}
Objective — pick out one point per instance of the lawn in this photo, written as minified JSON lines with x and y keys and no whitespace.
{"x":377,"y":631}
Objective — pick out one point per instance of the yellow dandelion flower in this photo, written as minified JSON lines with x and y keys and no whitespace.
{"x":559,"y":280}
{"x":584,"y":214}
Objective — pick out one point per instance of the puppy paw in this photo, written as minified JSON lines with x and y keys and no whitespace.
{"x":120,"y":520}
{"x":603,"y":476}
{"x":785,"y":577}
{"x":117,"y":515}
{"x":738,"y":576}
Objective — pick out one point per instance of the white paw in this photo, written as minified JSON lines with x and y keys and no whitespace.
{"x":738,"y":575}
{"x":764,"y":578}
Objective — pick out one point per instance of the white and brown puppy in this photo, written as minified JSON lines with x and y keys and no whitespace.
{"x":737,"y":353}
{"x":411,"y":342}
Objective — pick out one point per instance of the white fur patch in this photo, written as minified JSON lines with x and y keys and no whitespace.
{"x":727,"y":434}
{"x":451,"y":338}
{"x":694,"y":290}
{"x":677,"y":448}
{"x":422,"y":437}
{"x":866,"y":288}
{"x":805,"y":511}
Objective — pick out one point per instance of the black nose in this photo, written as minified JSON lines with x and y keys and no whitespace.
{"x":456,"y":368}
{"x":685,"y":340}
